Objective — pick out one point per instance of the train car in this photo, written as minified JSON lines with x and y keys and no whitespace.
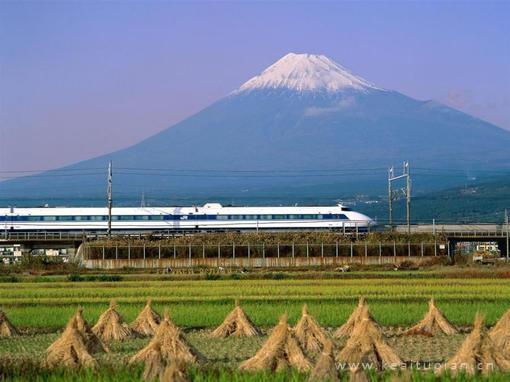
{"x":210,"y":217}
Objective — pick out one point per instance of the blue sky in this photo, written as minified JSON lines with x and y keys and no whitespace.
{"x":78,"y":79}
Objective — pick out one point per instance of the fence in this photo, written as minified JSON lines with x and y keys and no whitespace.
{"x":253,"y":255}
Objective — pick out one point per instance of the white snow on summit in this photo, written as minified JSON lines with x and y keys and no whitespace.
{"x":306,"y":72}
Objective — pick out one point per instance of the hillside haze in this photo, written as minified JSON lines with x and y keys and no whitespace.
{"x":302,"y":115}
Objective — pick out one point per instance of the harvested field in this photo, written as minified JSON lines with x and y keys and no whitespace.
{"x":41,"y":310}
{"x":228,"y":353}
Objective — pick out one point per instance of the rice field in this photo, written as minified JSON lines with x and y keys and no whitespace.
{"x":42,"y":309}
{"x":202,"y":303}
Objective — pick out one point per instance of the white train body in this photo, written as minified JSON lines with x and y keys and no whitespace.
{"x":211,"y":216}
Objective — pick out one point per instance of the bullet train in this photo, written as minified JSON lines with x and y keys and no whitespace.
{"x":210,"y":217}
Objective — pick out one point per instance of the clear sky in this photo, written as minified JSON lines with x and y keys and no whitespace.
{"x":79,"y":79}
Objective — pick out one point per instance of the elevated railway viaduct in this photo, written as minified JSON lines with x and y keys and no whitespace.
{"x":444,"y":243}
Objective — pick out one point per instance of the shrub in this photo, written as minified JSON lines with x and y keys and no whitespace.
{"x":9,"y":279}
{"x":278,"y":276}
{"x":109,"y":278}
{"x":74,"y":277}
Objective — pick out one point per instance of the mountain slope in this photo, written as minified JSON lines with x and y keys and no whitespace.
{"x":479,"y":202}
{"x":303,"y":113}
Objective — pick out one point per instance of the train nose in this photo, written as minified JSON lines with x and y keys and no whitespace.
{"x":370,"y":222}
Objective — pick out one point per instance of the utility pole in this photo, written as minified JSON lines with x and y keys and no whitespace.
{"x":408,"y":196}
{"x":142,"y":202}
{"x":110,"y":199}
{"x":393,"y":195}
{"x":390,"y":198}
{"x":507,"y":237}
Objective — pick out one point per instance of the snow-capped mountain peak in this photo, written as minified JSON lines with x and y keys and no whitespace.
{"x":306,"y":72}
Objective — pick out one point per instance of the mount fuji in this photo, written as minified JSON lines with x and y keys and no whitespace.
{"x":305,"y":124}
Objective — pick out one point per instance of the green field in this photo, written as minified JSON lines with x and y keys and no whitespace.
{"x":196,"y":304}
{"x":41,"y":309}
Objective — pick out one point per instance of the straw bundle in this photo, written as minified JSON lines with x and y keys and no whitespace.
{"x":174,"y":372}
{"x":367,"y":346}
{"x":111,"y":325}
{"x":433,"y":323}
{"x":358,"y":376}
{"x":170,"y":344}
{"x":154,"y":363}
{"x":6,"y":328}
{"x":309,"y":333}
{"x":346,"y":329}
{"x":325,"y":368}
{"x":147,"y":321}
{"x":93,"y":342}
{"x":236,"y":324}
{"x":157,"y":367}
{"x":478,"y":353}
{"x":500,"y":333}
{"x":70,"y":349}
{"x":280,"y":351}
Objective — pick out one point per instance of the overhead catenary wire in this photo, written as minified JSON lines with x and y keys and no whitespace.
{"x":353,"y":170}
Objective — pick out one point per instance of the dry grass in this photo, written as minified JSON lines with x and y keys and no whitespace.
{"x":70,"y":349}
{"x":111,"y":325}
{"x":367,"y":346}
{"x":500,"y":333}
{"x":309,"y":333}
{"x":236,"y":324}
{"x":325,"y":368}
{"x":280,"y":351}
{"x":361,"y":311}
{"x":478,"y":353}
{"x":433,"y":323}
{"x":168,"y":344}
{"x":6,"y":328}
{"x":147,"y":321}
